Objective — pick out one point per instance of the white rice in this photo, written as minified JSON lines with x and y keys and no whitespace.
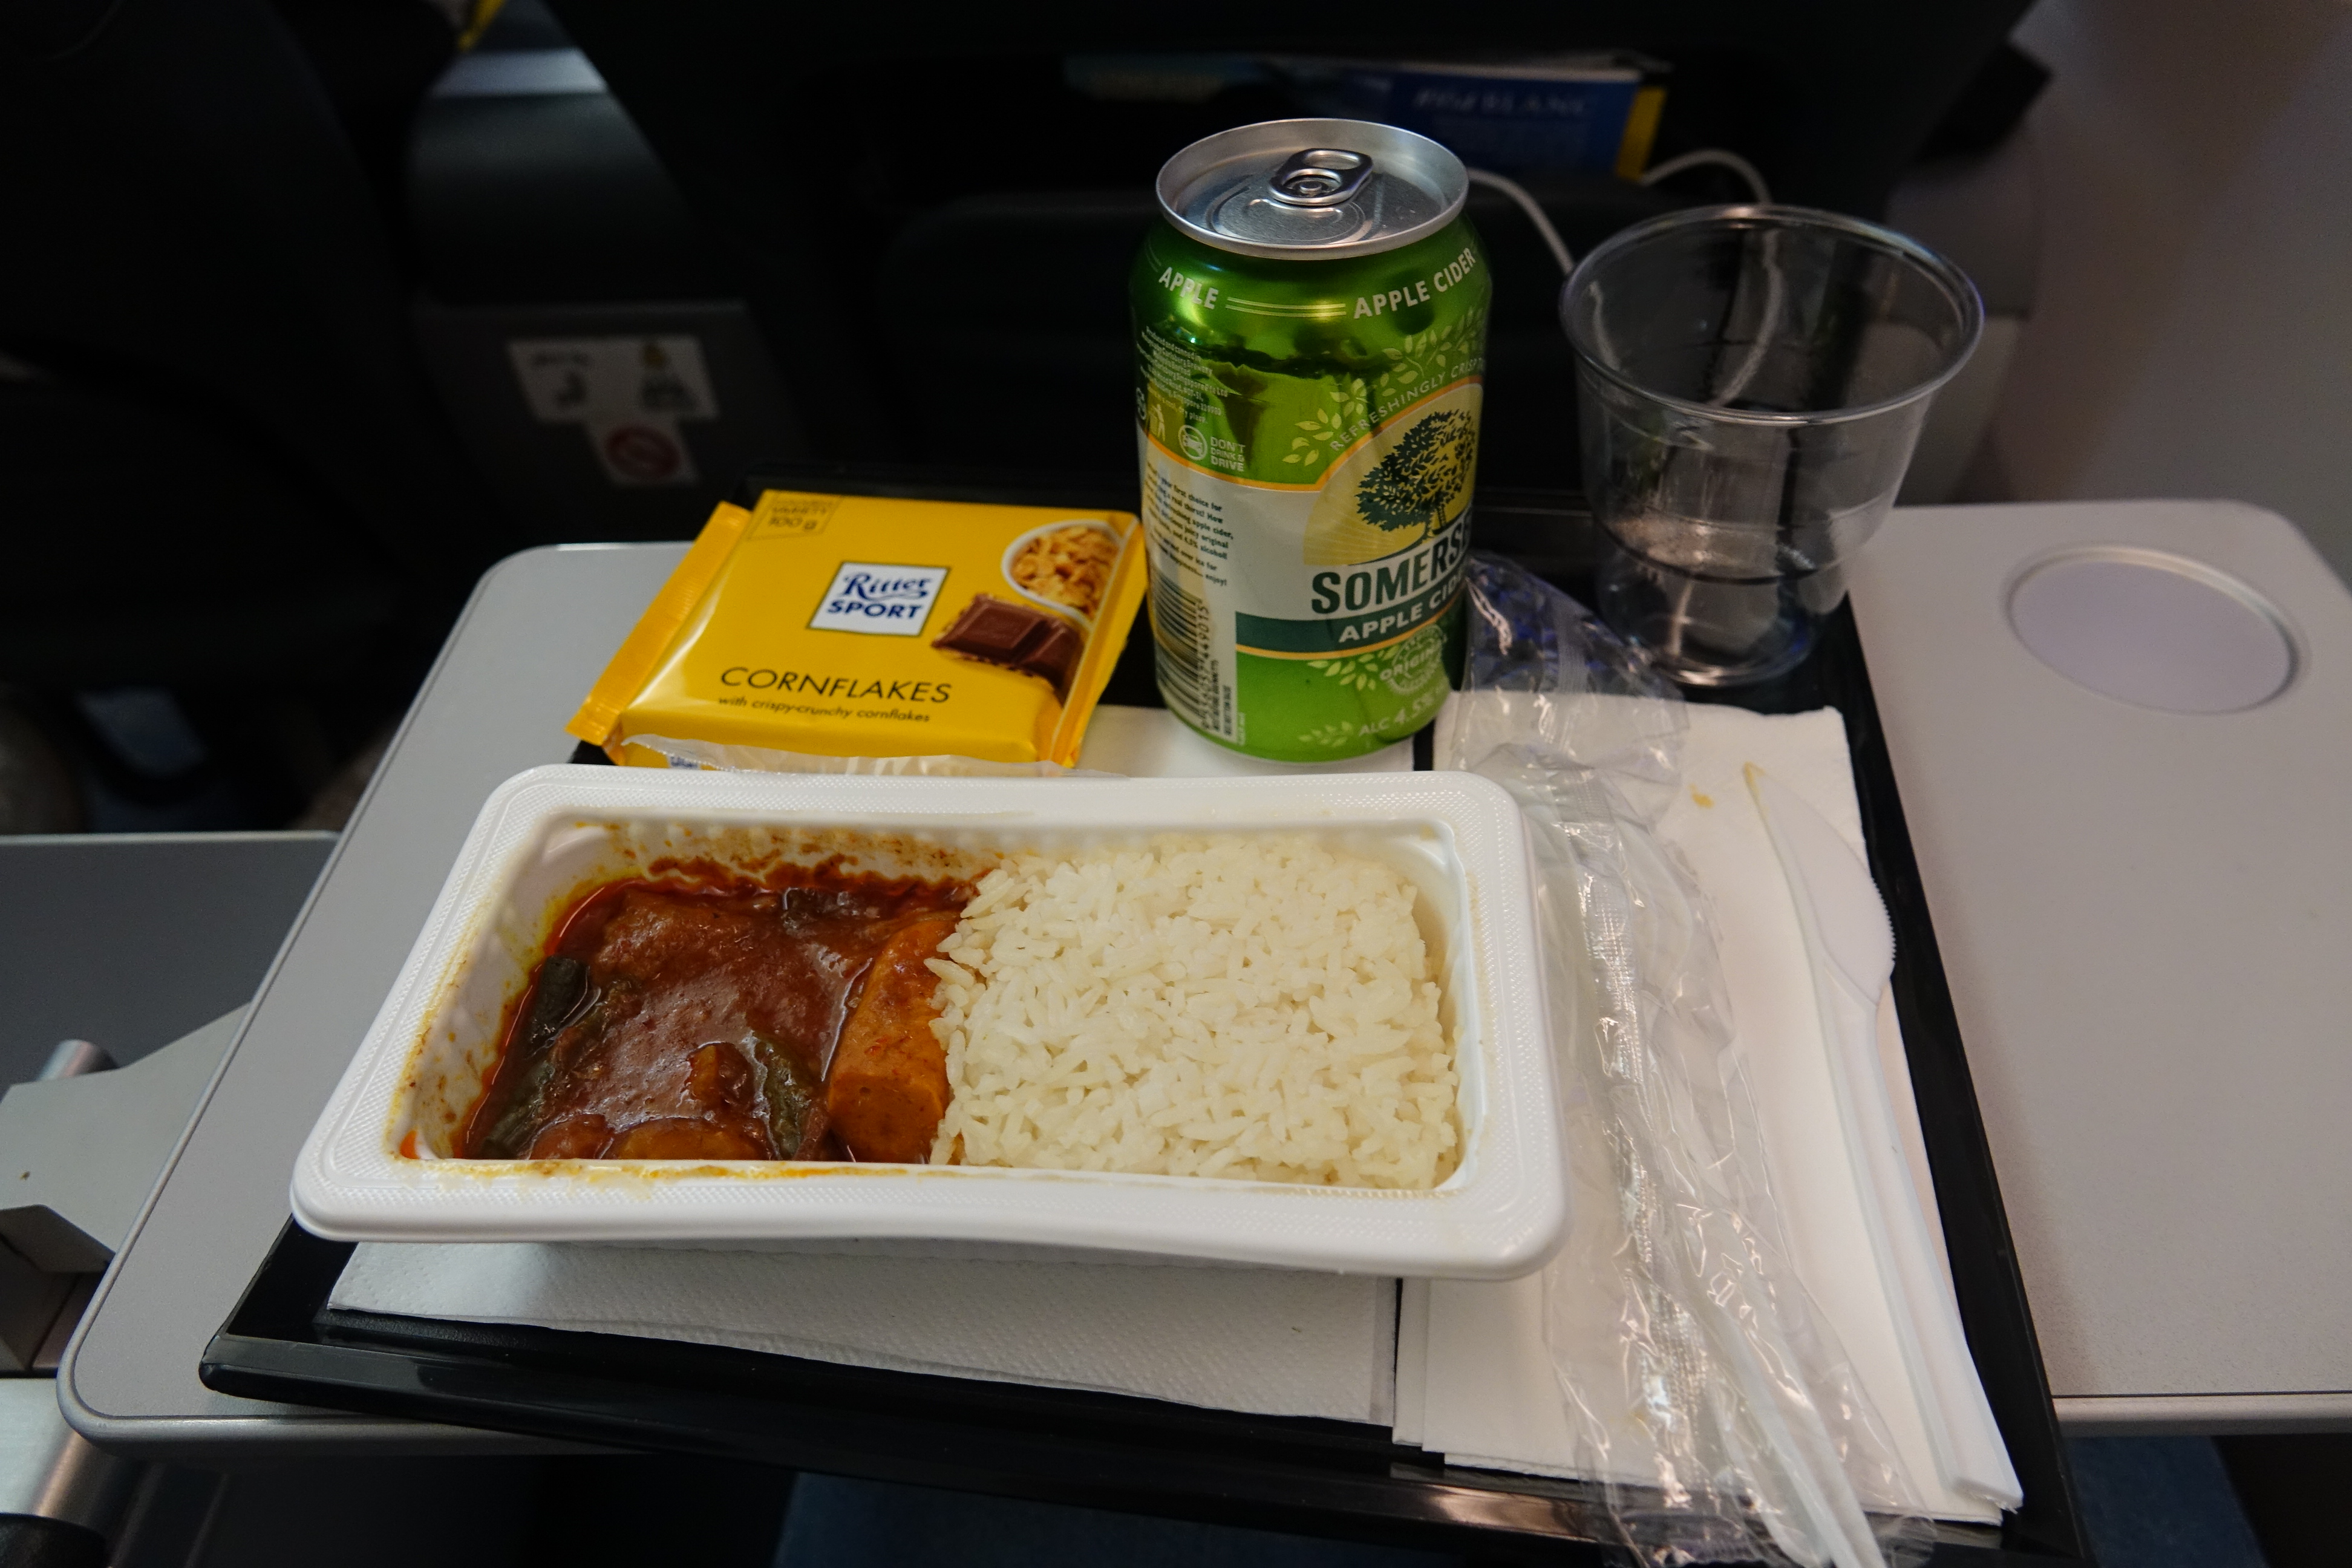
{"x":1257,"y":1008}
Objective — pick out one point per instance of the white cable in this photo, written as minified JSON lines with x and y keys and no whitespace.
{"x":1528,"y":205}
{"x":1707,"y":157}
{"x":1758,"y":346}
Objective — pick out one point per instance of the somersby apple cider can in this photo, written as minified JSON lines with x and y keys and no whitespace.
{"x":1310,"y":332}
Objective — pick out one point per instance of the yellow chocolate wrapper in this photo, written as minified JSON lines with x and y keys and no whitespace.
{"x":871,"y":626}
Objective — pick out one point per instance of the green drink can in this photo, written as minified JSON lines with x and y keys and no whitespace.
{"x":1310,"y":332}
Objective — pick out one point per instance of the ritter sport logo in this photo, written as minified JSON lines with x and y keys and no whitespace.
{"x":880,"y":600}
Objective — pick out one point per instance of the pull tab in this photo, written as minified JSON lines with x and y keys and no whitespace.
{"x":1320,"y":177}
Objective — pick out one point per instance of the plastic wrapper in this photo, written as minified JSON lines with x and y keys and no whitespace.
{"x":874,"y":627}
{"x":1730,"y":1396}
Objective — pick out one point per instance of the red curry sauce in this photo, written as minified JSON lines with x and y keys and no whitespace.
{"x":706,"y":1014}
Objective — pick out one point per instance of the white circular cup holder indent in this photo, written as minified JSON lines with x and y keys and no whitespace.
{"x":2152,"y":629}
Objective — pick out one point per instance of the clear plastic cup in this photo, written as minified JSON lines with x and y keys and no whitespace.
{"x":1751,"y":383}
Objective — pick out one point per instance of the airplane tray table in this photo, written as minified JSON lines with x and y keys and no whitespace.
{"x":282,"y":1342}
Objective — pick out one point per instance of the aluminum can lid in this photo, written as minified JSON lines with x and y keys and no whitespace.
{"x":1313,"y":190}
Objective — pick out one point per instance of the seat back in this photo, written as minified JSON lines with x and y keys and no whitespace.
{"x":223,"y":442}
{"x":932,"y":224}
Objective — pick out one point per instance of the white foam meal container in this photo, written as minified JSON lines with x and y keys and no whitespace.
{"x":546,"y":835}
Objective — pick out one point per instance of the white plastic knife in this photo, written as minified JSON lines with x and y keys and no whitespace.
{"x":1852,"y":945}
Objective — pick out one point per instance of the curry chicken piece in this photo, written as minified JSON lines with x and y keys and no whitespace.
{"x":889,"y":1087}
{"x":707,"y":1023}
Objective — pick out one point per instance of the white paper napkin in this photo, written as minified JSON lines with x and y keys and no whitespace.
{"x":1267,"y":1341}
{"x":1481,"y":1387}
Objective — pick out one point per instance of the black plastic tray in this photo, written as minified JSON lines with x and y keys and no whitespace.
{"x":283,"y":1342}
